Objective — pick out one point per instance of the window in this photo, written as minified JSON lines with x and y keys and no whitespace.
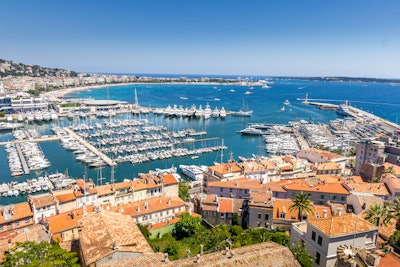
{"x":322,"y":196}
{"x":27,"y":220}
{"x":221,"y":189}
{"x":319,"y":240}
{"x":258,"y":224}
{"x":313,"y":235}
{"x":282,"y":215}
{"x":17,"y":223}
{"x":317,"y":258}
{"x":266,"y":216}
{"x":259,"y":215}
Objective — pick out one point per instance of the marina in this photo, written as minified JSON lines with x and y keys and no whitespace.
{"x":150,"y":139}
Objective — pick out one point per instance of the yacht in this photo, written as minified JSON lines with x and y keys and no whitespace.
{"x":193,"y":172}
{"x":286,"y":102}
{"x":242,"y":113}
{"x":251,"y":131}
{"x":207,"y":112}
{"x":222,"y":113}
{"x":215,"y":113}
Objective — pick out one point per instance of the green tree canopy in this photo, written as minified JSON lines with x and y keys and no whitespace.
{"x":183,"y":191}
{"x":301,"y":254}
{"x":187,"y":225}
{"x":302,"y":204}
{"x":41,"y":254}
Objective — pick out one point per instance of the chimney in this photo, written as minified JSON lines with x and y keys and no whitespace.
{"x":146,"y":205}
{"x":325,"y":214}
{"x":138,"y":209}
{"x":166,"y":257}
{"x":169,"y":201}
{"x":339,"y":211}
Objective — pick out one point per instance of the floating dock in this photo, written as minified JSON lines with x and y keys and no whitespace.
{"x":22,"y":158}
{"x":105,"y":158}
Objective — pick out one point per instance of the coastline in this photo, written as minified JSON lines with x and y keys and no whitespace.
{"x":57,"y":94}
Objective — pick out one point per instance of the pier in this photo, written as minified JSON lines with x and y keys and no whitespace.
{"x":106,"y":159}
{"x":22,"y":158}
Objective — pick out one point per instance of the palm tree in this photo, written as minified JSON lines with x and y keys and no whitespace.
{"x":302,"y":204}
{"x":378,"y":215}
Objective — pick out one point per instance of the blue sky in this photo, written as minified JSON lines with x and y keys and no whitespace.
{"x":285,"y":38}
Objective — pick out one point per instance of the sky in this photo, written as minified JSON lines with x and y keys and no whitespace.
{"x":209,"y":37}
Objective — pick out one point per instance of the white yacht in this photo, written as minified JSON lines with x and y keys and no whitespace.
{"x":222,"y":113}
{"x":193,"y":172}
{"x":207,"y":112}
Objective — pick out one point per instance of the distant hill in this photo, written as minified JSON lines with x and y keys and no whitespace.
{"x":344,"y":79}
{"x":11,"y":68}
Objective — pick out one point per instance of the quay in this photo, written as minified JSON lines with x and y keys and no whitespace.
{"x":106,"y":159}
{"x":40,"y":139}
{"x":358,"y":113}
{"x":320,"y":105}
{"x":22,"y":158}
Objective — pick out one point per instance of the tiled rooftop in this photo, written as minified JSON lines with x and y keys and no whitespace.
{"x":342,"y":225}
{"x":42,"y":200}
{"x":372,"y":188}
{"x":105,"y":232}
{"x":242,"y":183}
{"x":226,"y":168}
{"x":15,"y":212}
{"x":261,"y":255}
{"x":154,"y":204}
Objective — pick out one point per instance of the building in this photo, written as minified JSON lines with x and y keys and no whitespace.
{"x":222,"y":172}
{"x":238,"y":188}
{"x":364,"y":195}
{"x":152,"y":210}
{"x":322,"y":237}
{"x":15,"y":216}
{"x":217,"y":210}
{"x":392,"y":183}
{"x":319,"y":191}
{"x":369,"y":157}
{"x":65,"y":200}
{"x":107,"y":237}
{"x":318,"y":156}
{"x":43,"y":206}
{"x":259,"y":210}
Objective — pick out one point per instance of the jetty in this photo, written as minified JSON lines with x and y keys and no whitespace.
{"x":22,"y":158}
{"x":105,"y":158}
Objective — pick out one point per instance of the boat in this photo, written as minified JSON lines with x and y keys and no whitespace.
{"x":265,"y":86}
{"x":283,"y":108}
{"x":207,"y":112}
{"x":217,"y":99}
{"x":243,"y":112}
{"x":232,"y":90}
{"x":183,"y":98}
{"x":215,"y":113}
{"x":251,"y":131}
{"x":344,"y":109}
{"x":248,"y":93}
{"x":286,"y":102}
{"x":222,"y":113}
{"x":193,"y":172}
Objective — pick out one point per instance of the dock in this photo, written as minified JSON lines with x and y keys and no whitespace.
{"x":321,"y":105}
{"x":105,"y":158}
{"x":22,"y":158}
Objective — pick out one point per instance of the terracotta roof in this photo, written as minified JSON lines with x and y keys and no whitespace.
{"x":225,"y":205}
{"x":329,"y":178}
{"x":328,"y":166}
{"x":396,"y":168}
{"x":67,"y":220}
{"x":42,"y":200}
{"x":104,"y":189}
{"x":122,"y":185}
{"x":163,"y":224}
{"x":104,"y":233}
{"x":170,"y":179}
{"x":389,"y":260}
{"x":372,"y":188}
{"x":15,"y":212}
{"x":65,"y":197}
{"x":154,"y":204}
{"x":324,"y":153}
{"x":260,"y":197}
{"x":263,"y":255}
{"x":241,"y":183}
{"x":391,"y":181}
{"x":226,"y":168}
{"x":333,"y":188}
{"x":342,"y":225}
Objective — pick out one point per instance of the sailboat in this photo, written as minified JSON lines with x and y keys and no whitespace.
{"x":243,"y":112}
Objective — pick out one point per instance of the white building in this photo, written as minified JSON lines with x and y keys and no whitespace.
{"x":43,"y":206}
{"x":322,"y":237}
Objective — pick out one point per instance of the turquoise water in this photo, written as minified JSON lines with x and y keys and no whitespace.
{"x":379,"y":99}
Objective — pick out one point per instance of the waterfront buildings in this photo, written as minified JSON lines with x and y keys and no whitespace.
{"x":370,"y":158}
{"x":43,"y":206}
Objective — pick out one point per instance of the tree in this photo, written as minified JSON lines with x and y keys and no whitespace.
{"x":389,"y":170}
{"x":301,"y":254}
{"x":235,"y":219}
{"x":183,"y":191}
{"x":302,"y":204}
{"x":187,"y":225}
{"x":378,"y":215}
{"x":41,"y":254}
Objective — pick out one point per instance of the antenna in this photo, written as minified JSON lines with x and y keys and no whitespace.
{"x":112,"y":181}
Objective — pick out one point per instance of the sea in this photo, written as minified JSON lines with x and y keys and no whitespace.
{"x":380,"y":99}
